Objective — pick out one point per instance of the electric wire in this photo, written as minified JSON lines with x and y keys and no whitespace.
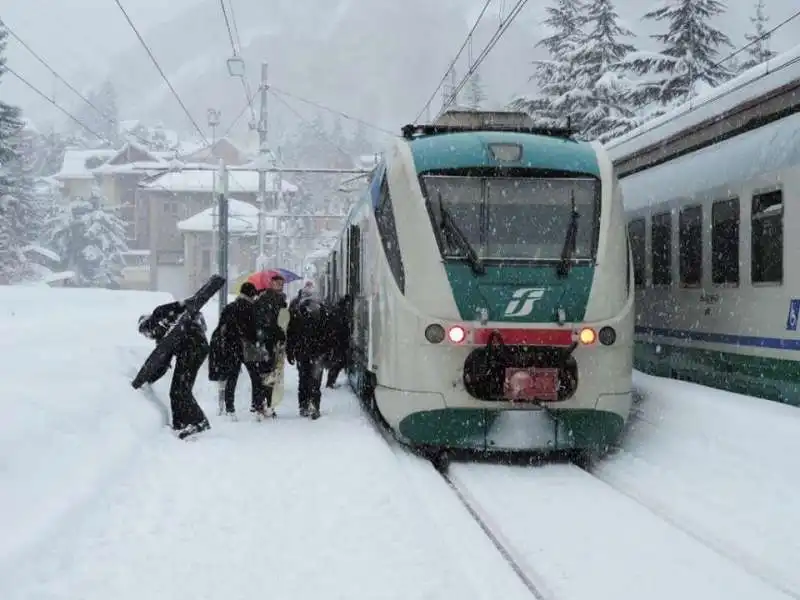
{"x":109,"y":119}
{"x":703,"y":102}
{"x":504,"y":25}
{"x":161,"y":72}
{"x":321,"y":134}
{"x":453,"y":62}
{"x":53,"y":102}
{"x":328,"y":109}
{"x":236,"y":46}
{"x":763,"y":36}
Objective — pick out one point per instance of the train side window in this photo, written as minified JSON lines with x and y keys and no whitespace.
{"x":384,"y":216}
{"x":661,"y":234}
{"x":636,"y":235}
{"x":725,"y":242}
{"x":767,"y":238}
{"x":354,"y":260}
{"x":690,"y":246}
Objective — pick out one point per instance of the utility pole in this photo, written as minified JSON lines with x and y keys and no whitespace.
{"x":222,"y":259}
{"x":262,"y":176}
{"x":213,"y":122}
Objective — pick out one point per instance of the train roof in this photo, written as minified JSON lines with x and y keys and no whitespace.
{"x":753,"y":87}
{"x":464,"y":149}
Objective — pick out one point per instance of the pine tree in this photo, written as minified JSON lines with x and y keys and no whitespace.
{"x":475,"y":94}
{"x":555,"y":76}
{"x":19,"y":215}
{"x":599,"y":94}
{"x":759,"y":51}
{"x":689,"y":56}
{"x":90,"y":240}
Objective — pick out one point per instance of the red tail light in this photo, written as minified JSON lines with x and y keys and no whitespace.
{"x":456,"y":334}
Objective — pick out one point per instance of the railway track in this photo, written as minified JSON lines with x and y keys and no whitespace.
{"x":510,"y":556}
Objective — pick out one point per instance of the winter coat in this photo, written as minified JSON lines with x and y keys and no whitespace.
{"x":157,"y":324}
{"x":309,"y":333}
{"x":235,"y":330}
{"x":267,"y":306}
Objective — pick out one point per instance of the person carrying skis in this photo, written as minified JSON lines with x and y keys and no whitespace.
{"x":187,"y":416}
{"x":268,"y":333}
{"x":234,"y":343}
{"x":308,"y":341}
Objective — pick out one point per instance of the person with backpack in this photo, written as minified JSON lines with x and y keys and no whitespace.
{"x":233,"y":344}
{"x":308,"y":342}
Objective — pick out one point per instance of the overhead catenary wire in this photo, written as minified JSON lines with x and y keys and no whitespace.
{"x":704,"y":101}
{"x":236,"y":47}
{"x":322,"y":134}
{"x":763,"y":36}
{"x":161,"y":72}
{"x":504,"y":25}
{"x":453,"y":62}
{"x":109,"y":119}
{"x":53,"y":102}
{"x":272,"y":88}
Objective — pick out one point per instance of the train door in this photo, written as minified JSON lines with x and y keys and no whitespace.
{"x":334,"y":276}
{"x":358,"y":323}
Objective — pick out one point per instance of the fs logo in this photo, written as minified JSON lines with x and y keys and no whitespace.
{"x":522,"y":302}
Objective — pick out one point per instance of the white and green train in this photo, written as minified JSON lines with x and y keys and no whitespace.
{"x":712,"y":195}
{"x":491,"y":289}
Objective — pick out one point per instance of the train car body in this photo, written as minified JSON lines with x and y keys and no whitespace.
{"x":712,"y":198}
{"x":489,"y":280}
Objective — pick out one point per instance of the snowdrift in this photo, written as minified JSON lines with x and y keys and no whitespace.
{"x":70,"y":417}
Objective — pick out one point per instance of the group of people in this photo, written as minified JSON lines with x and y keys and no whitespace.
{"x":249,"y":334}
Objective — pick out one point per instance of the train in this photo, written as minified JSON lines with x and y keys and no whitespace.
{"x":489,"y":283}
{"x":712,"y":198}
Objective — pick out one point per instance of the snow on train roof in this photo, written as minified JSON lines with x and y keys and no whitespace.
{"x":754,"y":82}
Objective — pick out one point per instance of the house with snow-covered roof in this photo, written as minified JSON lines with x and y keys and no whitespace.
{"x":76,"y":174}
{"x":171,"y":197}
{"x":198,"y":239}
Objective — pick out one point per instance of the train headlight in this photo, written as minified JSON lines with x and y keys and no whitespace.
{"x":456,"y":334}
{"x":434,"y":333}
{"x":607,"y":336}
{"x":587,"y":336}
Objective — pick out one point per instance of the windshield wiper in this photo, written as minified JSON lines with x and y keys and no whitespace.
{"x":451,"y":229}
{"x":570,"y":241}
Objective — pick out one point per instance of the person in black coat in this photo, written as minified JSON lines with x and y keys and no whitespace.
{"x":233,"y":344}
{"x":187,"y":416}
{"x":308,"y":342}
{"x":340,"y":337}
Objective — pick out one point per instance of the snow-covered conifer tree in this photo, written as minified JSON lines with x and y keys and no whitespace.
{"x":555,"y":76}
{"x":688,"y":61}
{"x":90,"y":240}
{"x":475,"y":94}
{"x":20,"y":216}
{"x":599,"y":96}
{"x":759,"y":51}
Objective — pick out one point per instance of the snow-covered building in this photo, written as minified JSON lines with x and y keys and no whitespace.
{"x":76,"y":174}
{"x":175,"y":196}
{"x":198,"y":238}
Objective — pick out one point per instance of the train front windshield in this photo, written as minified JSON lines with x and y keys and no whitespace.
{"x":513,"y":218}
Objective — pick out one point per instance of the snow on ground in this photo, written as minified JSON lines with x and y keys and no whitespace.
{"x":723,"y":466}
{"x":586,"y":541}
{"x":290,"y":508}
{"x":70,"y":416}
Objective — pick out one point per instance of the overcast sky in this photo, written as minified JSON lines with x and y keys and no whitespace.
{"x":77,"y":36}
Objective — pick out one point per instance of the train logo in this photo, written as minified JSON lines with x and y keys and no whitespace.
{"x":522,"y":302}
